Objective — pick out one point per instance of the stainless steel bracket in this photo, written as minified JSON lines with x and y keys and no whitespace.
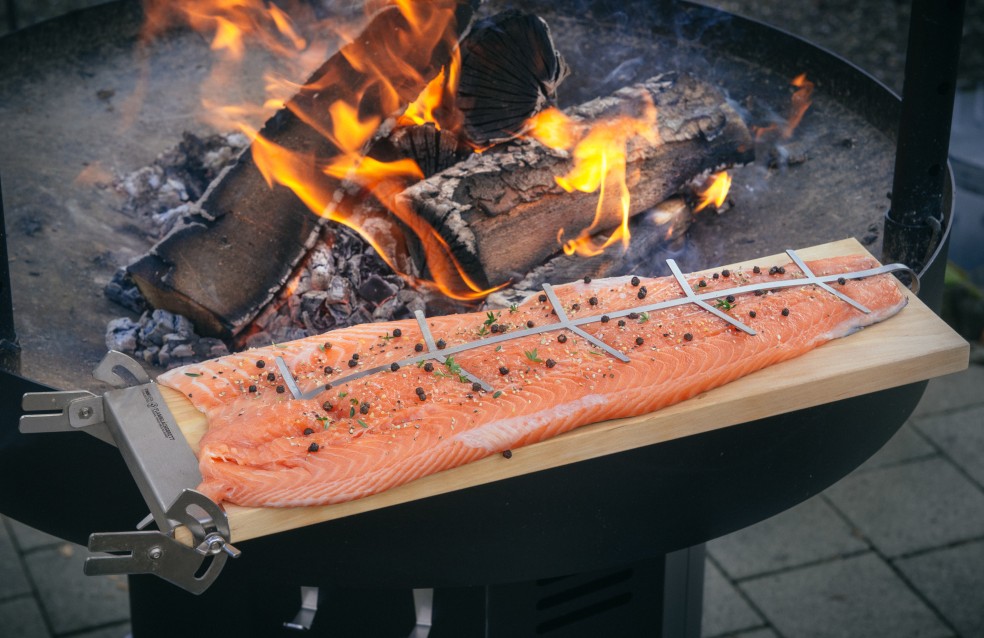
{"x":136,"y":420}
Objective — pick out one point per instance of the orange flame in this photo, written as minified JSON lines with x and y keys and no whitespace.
{"x":799,"y":103}
{"x":599,"y":165}
{"x":716,"y":192}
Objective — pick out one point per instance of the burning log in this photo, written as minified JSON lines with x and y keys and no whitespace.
{"x":244,"y":238}
{"x":500,"y":211}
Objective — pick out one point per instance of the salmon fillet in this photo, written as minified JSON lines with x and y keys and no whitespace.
{"x":264,"y":447}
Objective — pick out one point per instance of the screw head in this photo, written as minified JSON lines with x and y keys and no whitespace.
{"x":155,"y":552}
{"x":85,"y":413}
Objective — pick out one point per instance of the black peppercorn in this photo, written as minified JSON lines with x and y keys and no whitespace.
{"x":281,"y":389}
{"x":308,"y":431}
{"x":605,"y":318}
{"x":715,"y":276}
{"x":730,"y":298}
{"x":503,"y":370}
{"x":394,"y":366}
{"x":576,"y":306}
{"x":313,"y":447}
{"x":621,"y":323}
{"x":352,"y":363}
{"x":476,"y":386}
{"x":773,"y":270}
{"x":725,"y":273}
{"x":355,"y":355}
{"x":327,"y":406}
{"x":397,"y":332}
{"x":421,"y":396}
{"x":701,"y":284}
{"x":364,"y":408}
{"x":271,"y":376}
{"x":494,"y":328}
{"x":529,"y":324}
{"x":785,"y":312}
{"x":688,"y":337}
{"x":639,"y":341}
{"x":328,"y":370}
{"x":841,"y":281}
{"x":441,"y":344}
{"x":782,"y":270}
{"x":587,"y":279}
{"x":418,"y":347}
{"x":756,"y":270}
{"x":261,"y":363}
{"x":641,"y":294}
{"x":428,"y":367}
{"x":562,"y":338}
{"x":751,"y":313}
{"x":551,"y":363}
{"x":542,"y":298}
{"x":507,"y":454}
{"x":593,"y":301}
{"x":635,"y":281}
{"x":252,"y":388}
{"x":418,"y":390}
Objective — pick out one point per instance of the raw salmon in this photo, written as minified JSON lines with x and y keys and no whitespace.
{"x":265,"y":447}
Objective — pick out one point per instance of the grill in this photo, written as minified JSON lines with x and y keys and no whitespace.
{"x":594,"y":542}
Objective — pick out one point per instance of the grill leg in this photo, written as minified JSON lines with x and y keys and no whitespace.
{"x":683,"y":592}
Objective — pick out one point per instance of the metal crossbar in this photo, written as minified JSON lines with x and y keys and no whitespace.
{"x":443,"y":355}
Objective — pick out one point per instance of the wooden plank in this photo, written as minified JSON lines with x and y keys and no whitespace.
{"x":915,"y":345}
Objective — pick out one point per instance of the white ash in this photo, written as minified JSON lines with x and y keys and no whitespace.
{"x":158,"y":196}
{"x":162,"y":339}
{"x":342,"y":282}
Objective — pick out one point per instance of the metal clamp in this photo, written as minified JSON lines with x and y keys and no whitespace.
{"x":136,"y":420}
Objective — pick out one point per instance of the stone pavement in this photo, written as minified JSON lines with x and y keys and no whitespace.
{"x":895,"y":549}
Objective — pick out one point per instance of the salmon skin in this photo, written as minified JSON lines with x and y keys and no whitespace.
{"x":265,"y":447}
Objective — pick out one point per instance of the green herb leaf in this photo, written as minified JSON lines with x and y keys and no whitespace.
{"x":484,"y":330}
{"x":351,"y":412}
{"x":644,"y":317}
{"x":386,"y":337}
{"x":596,"y":353}
{"x":513,"y":308}
{"x":453,"y":366}
{"x":497,"y":394}
{"x":498,"y":348}
{"x":724,"y":304}
{"x":192,"y":374}
{"x":532,"y":355}
{"x":354,"y":401}
{"x":362,"y":423}
{"x":342,"y":395}
{"x":490,"y":318}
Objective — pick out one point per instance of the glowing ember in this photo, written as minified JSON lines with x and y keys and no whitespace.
{"x":716,"y":192}
{"x":599,"y":165}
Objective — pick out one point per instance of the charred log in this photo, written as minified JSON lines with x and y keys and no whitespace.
{"x":243,"y":239}
{"x":510,"y":71}
{"x":500,"y":210}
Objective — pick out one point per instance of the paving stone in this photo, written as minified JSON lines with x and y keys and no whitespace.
{"x":21,"y":618}
{"x":906,"y":445}
{"x":961,"y":436}
{"x":73,"y":601}
{"x":810,"y":532}
{"x":114,"y":631}
{"x":954,"y":391}
{"x":855,"y":597}
{"x":725,"y":611}
{"x":29,"y":539}
{"x":911,"y":507}
{"x":952,"y":579}
{"x":13,"y":580}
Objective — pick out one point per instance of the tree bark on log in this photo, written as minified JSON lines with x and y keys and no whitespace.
{"x":500,"y":211}
{"x":238,"y":248}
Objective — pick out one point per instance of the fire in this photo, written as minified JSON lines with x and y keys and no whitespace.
{"x":599,"y":154}
{"x":799,"y":103}
{"x":716,"y":192}
{"x":437,"y":95}
{"x":370,"y":80}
